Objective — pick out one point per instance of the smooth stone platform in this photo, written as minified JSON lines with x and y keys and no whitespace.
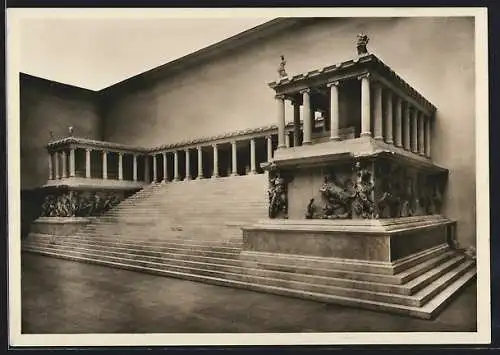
{"x":375,"y":240}
{"x":60,"y":226}
{"x":80,"y":183}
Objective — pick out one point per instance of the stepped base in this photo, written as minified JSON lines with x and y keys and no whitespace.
{"x":369,"y":240}
{"x":421,"y":285}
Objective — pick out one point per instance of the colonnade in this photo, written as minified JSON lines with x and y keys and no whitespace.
{"x":62,"y":161}
{"x":396,"y":119}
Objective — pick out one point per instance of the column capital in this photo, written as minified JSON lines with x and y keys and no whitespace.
{"x":365,"y":76}
{"x":279,"y":97}
{"x":214,"y":145}
{"x":333,"y":83}
{"x":304,"y":91}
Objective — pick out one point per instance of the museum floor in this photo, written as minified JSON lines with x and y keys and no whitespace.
{"x":60,"y":296}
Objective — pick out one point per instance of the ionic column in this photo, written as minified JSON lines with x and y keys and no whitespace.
{"x":72,"y":162}
{"x":377,"y":114}
{"x":64,"y":168}
{"x":104,"y":164}
{"x":87,"y":163}
{"x":307,"y":120}
{"x":406,"y":128}
{"x":414,"y":130}
{"x":269,"y":142}
{"x":215,"y":173}
{"x":287,"y":139}
{"x":388,"y":117}
{"x":280,"y":99}
{"x":365,"y":106}
{"x":165,"y":171}
{"x":188,"y":165}
{"x":176,"y":166}
{"x":253,"y":169}
{"x":56,"y":161}
{"x":398,"y":123}
{"x":155,"y":167}
{"x":234,"y":159}
{"x":200,"y":163}
{"x":428,"y":136}
{"x":51,"y":170}
{"x":296,"y":123}
{"x":146,"y":168}
{"x":334,"y":110}
{"x":120,"y":166}
{"x":134,"y":168}
{"x":421,"y":139}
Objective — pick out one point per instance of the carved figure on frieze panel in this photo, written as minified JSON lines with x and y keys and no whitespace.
{"x":363,"y":205}
{"x":48,"y":206}
{"x":311,"y":209}
{"x":337,"y":196}
{"x":277,"y":194}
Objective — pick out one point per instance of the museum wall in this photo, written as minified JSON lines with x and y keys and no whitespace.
{"x":48,"y":106}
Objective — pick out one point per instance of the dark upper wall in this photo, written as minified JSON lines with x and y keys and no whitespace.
{"x":50,"y":106}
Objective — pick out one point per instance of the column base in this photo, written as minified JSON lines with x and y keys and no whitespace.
{"x":235,"y":174}
{"x":200,"y":177}
{"x":307,"y":143}
{"x":215,"y":176}
{"x":366,"y":134}
{"x":379,"y":138}
{"x":389,"y":141}
{"x":335,"y":139}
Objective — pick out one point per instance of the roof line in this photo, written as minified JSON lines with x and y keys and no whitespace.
{"x":204,"y":52}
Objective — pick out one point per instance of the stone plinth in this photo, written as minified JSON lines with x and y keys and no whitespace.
{"x":59,"y":226}
{"x":380,"y":240}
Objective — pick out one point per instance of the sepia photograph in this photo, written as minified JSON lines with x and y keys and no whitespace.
{"x":248,"y":176}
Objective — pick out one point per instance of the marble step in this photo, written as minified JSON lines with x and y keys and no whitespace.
{"x":344,"y":264}
{"x":164,"y":262}
{"x":180,"y":250}
{"x":426,"y":312}
{"x":165,"y":259}
{"x":214,"y":246}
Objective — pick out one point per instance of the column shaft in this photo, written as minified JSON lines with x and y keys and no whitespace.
{"x":253,"y":168}
{"x":134,"y":168}
{"x":56,"y":165}
{"x":334,"y":110}
{"x":155,"y":168}
{"x":398,"y":123}
{"x":200,"y":163}
{"x":87,"y":163}
{"x":146,"y":169}
{"x":296,"y":124}
{"x":280,"y":99}
{"x":104,"y":164}
{"x":72,"y":162}
{"x":377,"y":111}
{"x":388,"y":117}
{"x":51,"y":169}
{"x":188,"y":165}
{"x":269,"y":142}
{"x":307,"y":120}
{"x":428,"y":123}
{"x":365,"y":106}
{"x":421,"y":139}
{"x":406,"y":128}
{"x":215,"y":173}
{"x":64,"y":167}
{"x":120,"y":166}
{"x":234,"y":158}
{"x":176,"y":166}
{"x":165,"y":171}
{"x":287,"y":139}
{"x":414,"y":130}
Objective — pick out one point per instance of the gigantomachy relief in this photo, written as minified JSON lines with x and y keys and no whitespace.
{"x":375,"y":190}
{"x":79,"y":203}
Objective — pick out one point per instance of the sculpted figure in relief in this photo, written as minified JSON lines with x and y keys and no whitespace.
{"x":337,"y":197}
{"x":277,"y":197}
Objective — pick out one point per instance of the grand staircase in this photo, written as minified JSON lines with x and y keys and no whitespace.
{"x":191,"y":230}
